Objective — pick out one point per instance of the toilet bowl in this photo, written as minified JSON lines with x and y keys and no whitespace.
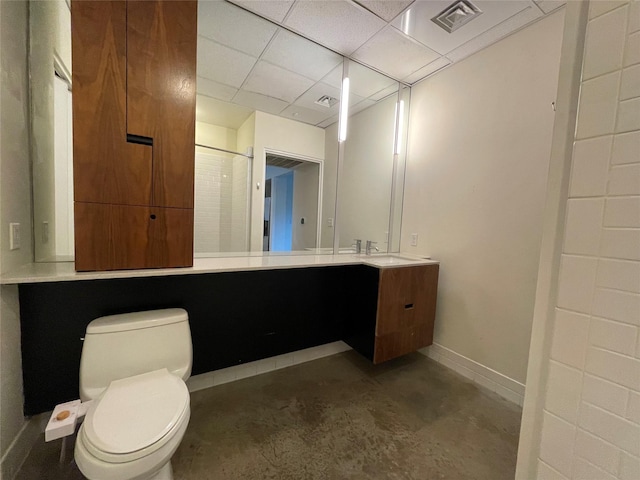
{"x":135,"y":423}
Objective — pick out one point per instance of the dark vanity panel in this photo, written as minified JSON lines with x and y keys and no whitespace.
{"x":235,"y":318}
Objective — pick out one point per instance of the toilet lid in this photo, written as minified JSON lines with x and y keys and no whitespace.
{"x":136,"y":412}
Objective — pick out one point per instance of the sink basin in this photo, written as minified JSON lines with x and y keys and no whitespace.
{"x":389,"y":260}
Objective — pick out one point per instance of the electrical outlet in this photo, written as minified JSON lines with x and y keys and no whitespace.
{"x":14,"y":236}
{"x":414,"y":239}
{"x":45,"y":232}
{"x":329,"y":222}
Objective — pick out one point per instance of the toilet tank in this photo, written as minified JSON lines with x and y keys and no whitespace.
{"x":120,"y":346}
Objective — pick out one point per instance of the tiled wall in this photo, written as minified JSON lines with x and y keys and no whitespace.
{"x":591,"y":423}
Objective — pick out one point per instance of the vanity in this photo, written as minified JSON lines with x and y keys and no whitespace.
{"x":240,"y":310}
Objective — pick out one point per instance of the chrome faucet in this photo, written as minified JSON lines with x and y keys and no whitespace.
{"x":370,"y":245}
{"x":357,"y":246}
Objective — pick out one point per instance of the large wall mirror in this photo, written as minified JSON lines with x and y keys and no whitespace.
{"x":276,"y":168}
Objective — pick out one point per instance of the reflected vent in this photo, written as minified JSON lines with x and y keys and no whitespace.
{"x":283,"y":162}
{"x":326,"y":101}
{"x":456,"y":15}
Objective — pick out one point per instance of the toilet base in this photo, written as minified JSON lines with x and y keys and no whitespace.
{"x":165,"y":473}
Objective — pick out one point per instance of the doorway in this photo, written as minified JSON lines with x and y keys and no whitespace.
{"x":292,"y":203}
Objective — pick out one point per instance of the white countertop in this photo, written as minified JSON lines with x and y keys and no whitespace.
{"x":64,"y":271}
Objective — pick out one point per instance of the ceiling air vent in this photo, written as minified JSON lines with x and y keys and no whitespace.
{"x":456,"y":15}
{"x":326,"y":101}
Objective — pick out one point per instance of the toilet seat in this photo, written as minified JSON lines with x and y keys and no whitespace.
{"x":135,"y":416}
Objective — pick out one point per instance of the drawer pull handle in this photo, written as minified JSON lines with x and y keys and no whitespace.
{"x":408,"y":306}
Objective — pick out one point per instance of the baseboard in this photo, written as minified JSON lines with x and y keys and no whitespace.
{"x":504,"y":386}
{"x":251,"y":369}
{"x":19,"y":449}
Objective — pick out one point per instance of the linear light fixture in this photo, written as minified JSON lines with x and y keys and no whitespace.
{"x":397,"y":138}
{"x":344,"y":109}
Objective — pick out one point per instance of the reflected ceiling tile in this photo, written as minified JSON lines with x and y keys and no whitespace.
{"x":302,"y":114}
{"x":416,"y":22}
{"x":308,"y":98}
{"x":550,"y":5}
{"x":328,"y":122}
{"x":361,"y":106}
{"x":365,"y":82}
{"x":300,"y":55}
{"x":385,"y":92}
{"x":387,"y":9}
{"x":500,"y":31}
{"x":334,"y":78}
{"x":273,"y":9}
{"x":260,"y":102}
{"x":216,"y":112}
{"x":393,"y":52}
{"x":276,"y":82}
{"x":231,"y":26}
{"x":338,"y":24}
{"x":427,"y":70}
{"x":222,"y":64}
{"x":213,"y":89}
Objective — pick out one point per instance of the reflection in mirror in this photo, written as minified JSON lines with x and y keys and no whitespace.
{"x":367,"y":168}
{"x":292,"y":197}
{"x":261,"y":90}
{"x":50,"y":77}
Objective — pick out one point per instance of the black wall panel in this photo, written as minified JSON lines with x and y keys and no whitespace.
{"x":235,"y":318}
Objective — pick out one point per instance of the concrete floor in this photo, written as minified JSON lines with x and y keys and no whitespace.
{"x":334,"y":418}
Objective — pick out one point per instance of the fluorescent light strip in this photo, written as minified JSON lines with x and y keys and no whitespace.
{"x":397,"y":137}
{"x":344,"y":110}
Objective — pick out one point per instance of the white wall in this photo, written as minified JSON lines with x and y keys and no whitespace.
{"x":215,"y":136}
{"x":365,"y":182}
{"x":588,"y":403}
{"x":15,"y":187}
{"x":329,"y":186}
{"x":478,"y":155}
{"x":283,"y":135}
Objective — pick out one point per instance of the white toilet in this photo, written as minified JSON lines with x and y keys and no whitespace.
{"x":133,"y":367}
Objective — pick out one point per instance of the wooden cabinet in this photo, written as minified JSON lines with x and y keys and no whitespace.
{"x":134,"y":87}
{"x":404,"y":315}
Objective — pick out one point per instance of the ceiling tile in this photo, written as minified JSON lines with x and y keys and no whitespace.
{"x":387,"y":9}
{"x":222,"y":64}
{"x":260,"y":102}
{"x":328,"y":121}
{"x":340,"y":25}
{"x":273,"y":9}
{"x":416,"y":22}
{"x":496,"y":33}
{"x":234,"y":27}
{"x":427,"y":70}
{"x":385,"y":92}
{"x":300,"y":55}
{"x":277,"y":82}
{"x":548,"y":6}
{"x":365,"y":82}
{"x":301,"y":114}
{"x":216,"y":112}
{"x":214,"y":89}
{"x":361,"y":106}
{"x":334,"y":78}
{"x":394,"y":53}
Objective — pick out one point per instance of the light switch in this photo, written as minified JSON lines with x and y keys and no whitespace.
{"x":414,"y":239}
{"x":329,"y":222}
{"x":14,"y":236}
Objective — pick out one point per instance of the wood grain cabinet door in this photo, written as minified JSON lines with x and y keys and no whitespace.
{"x":161,"y":86}
{"x":406,"y":310}
{"x":118,"y":237}
{"x":106,"y":168}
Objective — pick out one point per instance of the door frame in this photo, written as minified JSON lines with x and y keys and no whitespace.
{"x":304,"y":158}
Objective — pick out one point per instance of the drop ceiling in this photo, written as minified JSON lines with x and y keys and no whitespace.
{"x":255,"y":64}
